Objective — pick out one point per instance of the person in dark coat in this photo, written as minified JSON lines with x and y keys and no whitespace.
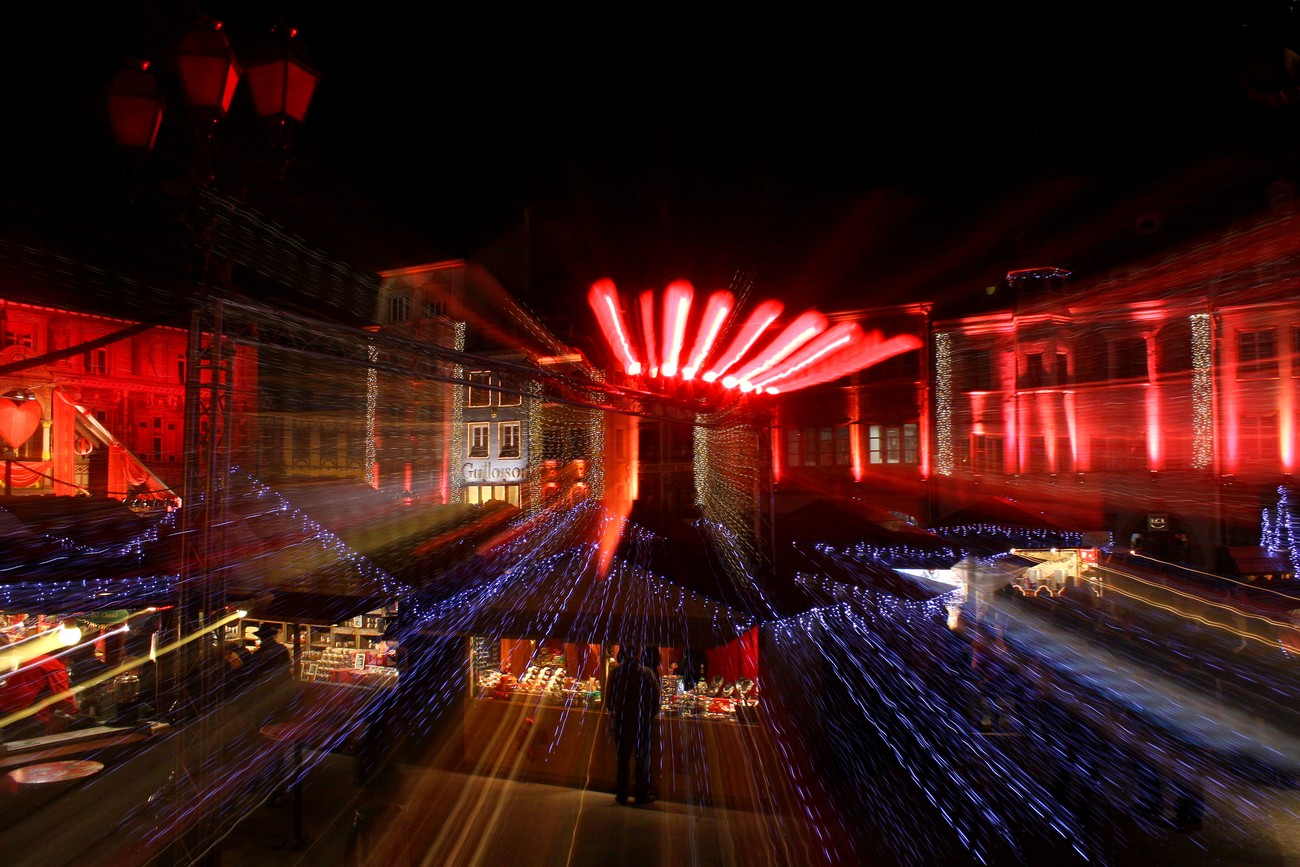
{"x":632,"y":699}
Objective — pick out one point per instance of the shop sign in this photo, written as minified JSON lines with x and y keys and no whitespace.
{"x":1157,"y":522}
{"x":487,"y":471}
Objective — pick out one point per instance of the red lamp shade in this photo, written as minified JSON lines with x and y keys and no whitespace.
{"x":135,"y":108}
{"x":19,"y":419}
{"x":282,"y":88}
{"x":208,"y":70}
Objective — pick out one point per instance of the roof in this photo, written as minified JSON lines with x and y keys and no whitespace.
{"x":1256,"y":560}
{"x":1002,"y":512}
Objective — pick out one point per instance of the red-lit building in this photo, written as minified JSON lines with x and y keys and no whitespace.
{"x":1157,"y":401}
{"x":93,"y":405}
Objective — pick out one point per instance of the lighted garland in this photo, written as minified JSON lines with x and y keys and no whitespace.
{"x":943,"y":402}
{"x":1202,"y":390}
{"x":372,"y":408}
{"x":595,"y":466}
{"x":457,"y":445}
{"x":536,"y":439}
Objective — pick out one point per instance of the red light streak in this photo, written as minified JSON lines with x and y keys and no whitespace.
{"x":716,"y":311}
{"x":762,"y":316}
{"x":807,"y":326}
{"x":807,"y":351}
{"x":648,"y":331}
{"x":871,"y":351}
{"x":677,"y":309}
{"x":839,"y":336}
{"x":603,"y":299}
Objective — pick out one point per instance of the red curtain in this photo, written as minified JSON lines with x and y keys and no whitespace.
{"x":26,"y":474}
{"x":735,"y":659}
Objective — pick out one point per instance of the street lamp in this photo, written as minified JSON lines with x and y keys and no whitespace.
{"x":209,"y":71}
{"x":135,"y":107}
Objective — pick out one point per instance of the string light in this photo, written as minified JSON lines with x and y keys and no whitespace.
{"x":943,"y":401}
{"x":1202,"y":390}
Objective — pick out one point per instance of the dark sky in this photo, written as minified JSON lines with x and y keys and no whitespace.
{"x":817,"y":150}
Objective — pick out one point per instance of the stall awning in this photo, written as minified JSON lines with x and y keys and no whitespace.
{"x":1255,"y":560}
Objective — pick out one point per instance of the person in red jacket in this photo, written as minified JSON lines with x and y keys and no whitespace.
{"x":34,"y":682}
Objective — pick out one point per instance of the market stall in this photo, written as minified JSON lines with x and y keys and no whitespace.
{"x":548,"y":721}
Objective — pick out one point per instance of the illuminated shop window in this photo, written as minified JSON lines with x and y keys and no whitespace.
{"x":478,"y":494}
{"x":1257,"y":353}
{"x":508,"y":439}
{"x":478,"y":439}
{"x":893,"y":444}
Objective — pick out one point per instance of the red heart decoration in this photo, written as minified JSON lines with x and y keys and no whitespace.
{"x":19,"y":420}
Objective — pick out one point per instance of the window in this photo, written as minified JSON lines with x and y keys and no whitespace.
{"x":1119,"y":452}
{"x":1034,"y":377}
{"x":1257,"y":437}
{"x":96,"y":361}
{"x":486,"y":389}
{"x":483,"y":493}
{"x":434,"y":308}
{"x":478,"y":439}
{"x":1037,"y":455}
{"x":15,"y":334}
{"x":1257,"y":353}
{"x":817,"y":447}
{"x":977,"y":369}
{"x":479,"y":394}
{"x":911,"y":444}
{"x":508,"y":439}
{"x":399,"y":308}
{"x":826,"y":446}
{"x":810,"y":447}
{"x":842,"y":452}
{"x":301,"y":448}
{"x":505,"y":398}
{"x":893,"y":444}
{"x":986,"y":454}
{"x":329,"y":448}
{"x":1129,"y":358}
{"x":180,"y":367}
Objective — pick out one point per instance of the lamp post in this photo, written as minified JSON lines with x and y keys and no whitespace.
{"x":205,"y":80}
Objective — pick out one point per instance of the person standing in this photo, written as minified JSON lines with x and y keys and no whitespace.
{"x":271,"y":661}
{"x":269,"y":676}
{"x":632,"y":700}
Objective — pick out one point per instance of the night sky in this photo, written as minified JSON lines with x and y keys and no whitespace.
{"x":869,"y":156}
